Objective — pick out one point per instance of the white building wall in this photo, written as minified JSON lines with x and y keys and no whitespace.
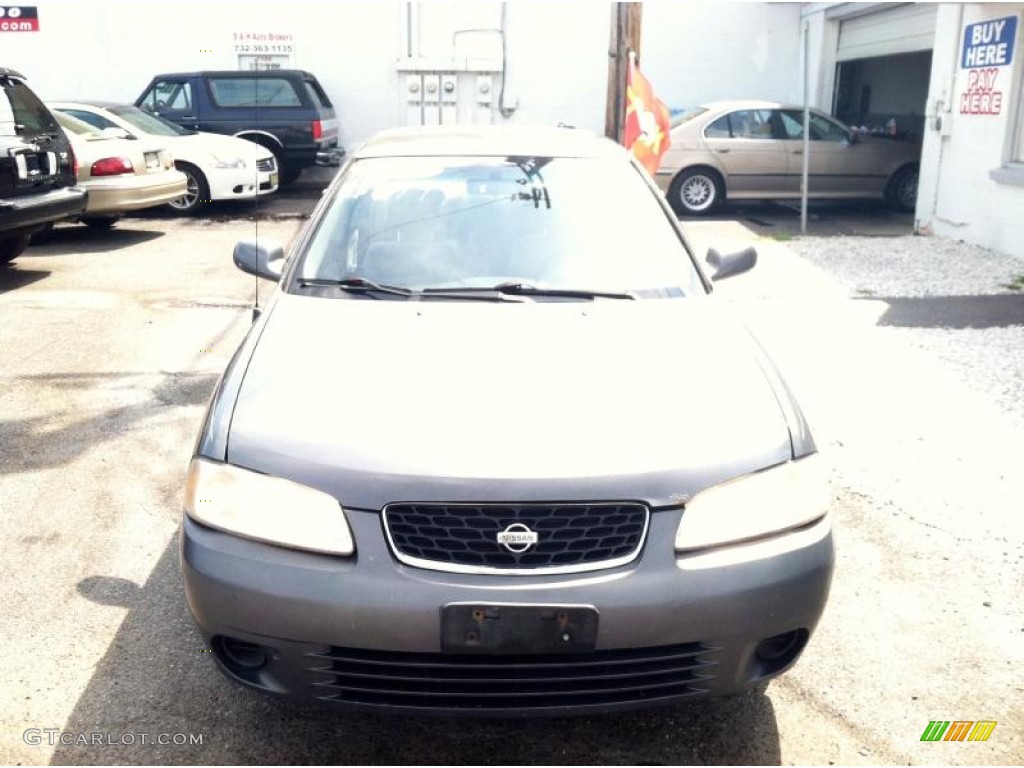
{"x":698,"y":52}
{"x":110,"y":50}
{"x":558,"y":62}
{"x":958,"y":195}
{"x":105,"y":49}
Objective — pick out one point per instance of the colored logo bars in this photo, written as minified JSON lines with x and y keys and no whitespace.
{"x":958,"y":730}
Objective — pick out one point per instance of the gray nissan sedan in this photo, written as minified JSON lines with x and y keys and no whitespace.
{"x":492,"y":448}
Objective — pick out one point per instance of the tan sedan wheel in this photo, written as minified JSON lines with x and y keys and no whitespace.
{"x":695,"y":192}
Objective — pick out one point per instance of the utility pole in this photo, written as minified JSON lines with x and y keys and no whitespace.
{"x":624,"y":37}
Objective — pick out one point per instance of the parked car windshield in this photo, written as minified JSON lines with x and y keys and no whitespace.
{"x":148,"y":123}
{"x":563,"y":223}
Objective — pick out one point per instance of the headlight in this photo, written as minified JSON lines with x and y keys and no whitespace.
{"x":265,"y":508}
{"x":228,"y":162}
{"x":778,"y":499}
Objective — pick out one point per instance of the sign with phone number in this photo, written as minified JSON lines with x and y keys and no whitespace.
{"x":261,"y":49}
{"x":263,"y":43}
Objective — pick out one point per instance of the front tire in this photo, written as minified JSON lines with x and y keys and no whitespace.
{"x":197,"y":191}
{"x":287,"y":174}
{"x":696,"y":192}
{"x":901,"y":193}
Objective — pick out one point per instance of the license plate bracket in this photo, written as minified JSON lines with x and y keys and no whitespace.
{"x":518,"y":629}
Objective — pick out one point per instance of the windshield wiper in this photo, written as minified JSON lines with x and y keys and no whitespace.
{"x":358,"y":285}
{"x":525,"y":289}
{"x":362,"y":285}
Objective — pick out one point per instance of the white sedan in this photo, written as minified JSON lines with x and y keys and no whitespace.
{"x":218,"y":167}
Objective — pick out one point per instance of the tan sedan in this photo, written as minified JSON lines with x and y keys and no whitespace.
{"x":121,"y":175}
{"x":749,"y":150}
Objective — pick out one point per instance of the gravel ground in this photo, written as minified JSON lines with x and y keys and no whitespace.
{"x":979,"y":334}
{"x":912,"y":266}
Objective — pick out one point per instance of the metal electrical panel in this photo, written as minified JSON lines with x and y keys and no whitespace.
{"x":449,"y":99}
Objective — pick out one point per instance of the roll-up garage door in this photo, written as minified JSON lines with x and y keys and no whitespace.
{"x":903,"y":29}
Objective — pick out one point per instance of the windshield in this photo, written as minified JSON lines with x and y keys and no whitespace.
{"x":564,"y":223}
{"x":148,"y":123}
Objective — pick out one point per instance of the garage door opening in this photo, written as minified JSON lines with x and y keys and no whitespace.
{"x":870,"y":94}
{"x":885,"y":94}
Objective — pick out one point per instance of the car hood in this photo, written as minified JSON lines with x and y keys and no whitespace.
{"x":215,"y":143}
{"x":381,"y":401}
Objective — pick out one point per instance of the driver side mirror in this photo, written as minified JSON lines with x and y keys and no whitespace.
{"x":263,"y":258}
{"x":730,"y":264}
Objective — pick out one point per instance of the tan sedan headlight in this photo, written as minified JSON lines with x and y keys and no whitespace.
{"x":266,"y":508}
{"x":781,"y":498}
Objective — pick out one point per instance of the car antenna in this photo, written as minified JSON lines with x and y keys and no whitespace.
{"x":256,"y":304}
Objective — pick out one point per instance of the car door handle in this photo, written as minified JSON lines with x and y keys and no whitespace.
{"x":188,"y":117}
{"x":798,"y":151}
{"x":723,"y":151}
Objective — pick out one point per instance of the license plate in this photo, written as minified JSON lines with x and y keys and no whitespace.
{"x":521,"y":629}
{"x":152,"y":161}
{"x":32,"y":165}
{"x":273,"y":179}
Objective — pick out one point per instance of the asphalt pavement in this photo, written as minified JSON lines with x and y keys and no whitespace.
{"x":111,"y":345}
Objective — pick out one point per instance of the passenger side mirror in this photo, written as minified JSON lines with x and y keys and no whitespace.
{"x":263,"y":258}
{"x":730,"y":264}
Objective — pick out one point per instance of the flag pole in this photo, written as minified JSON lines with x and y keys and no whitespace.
{"x":624,"y":35}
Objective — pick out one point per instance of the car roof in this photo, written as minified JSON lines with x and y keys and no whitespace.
{"x":236,"y":73}
{"x":742,"y":104}
{"x":716,"y":106}
{"x":87,"y":103}
{"x":489,"y":140}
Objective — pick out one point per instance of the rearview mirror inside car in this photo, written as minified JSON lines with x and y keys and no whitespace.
{"x":263,"y":258}
{"x":730,"y":264}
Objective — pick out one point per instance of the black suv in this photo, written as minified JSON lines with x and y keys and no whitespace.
{"x":285,"y":110}
{"x":37,"y":167}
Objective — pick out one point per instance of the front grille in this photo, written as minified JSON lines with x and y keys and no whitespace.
{"x":464,"y":537}
{"x":266,"y":164}
{"x":436,"y":681}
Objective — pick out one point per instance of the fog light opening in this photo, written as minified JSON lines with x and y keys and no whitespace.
{"x":780,"y":650}
{"x":240,"y":655}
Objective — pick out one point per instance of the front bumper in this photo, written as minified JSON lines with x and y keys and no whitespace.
{"x":241,"y":183}
{"x":366,"y":631}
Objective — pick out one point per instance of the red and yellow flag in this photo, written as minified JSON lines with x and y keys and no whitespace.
{"x":647,"y":119}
